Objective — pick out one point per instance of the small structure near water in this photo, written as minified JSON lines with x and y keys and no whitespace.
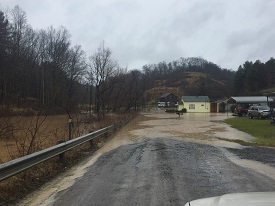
{"x":167,"y":100}
{"x":194,"y":104}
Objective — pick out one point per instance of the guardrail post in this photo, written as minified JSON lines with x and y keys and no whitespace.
{"x":92,"y":143}
{"x":61,"y":155}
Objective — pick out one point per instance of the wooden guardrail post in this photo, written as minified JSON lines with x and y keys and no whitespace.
{"x":70,"y":128}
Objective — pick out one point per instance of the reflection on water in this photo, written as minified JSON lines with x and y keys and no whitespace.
{"x":160,"y":114}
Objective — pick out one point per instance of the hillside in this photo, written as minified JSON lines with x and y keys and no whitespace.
{"x":192,"y":83}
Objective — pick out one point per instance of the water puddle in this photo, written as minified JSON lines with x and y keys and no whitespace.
{"x":251,"y":164}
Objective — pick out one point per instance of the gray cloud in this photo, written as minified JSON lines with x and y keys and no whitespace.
{"x":139,"y":32}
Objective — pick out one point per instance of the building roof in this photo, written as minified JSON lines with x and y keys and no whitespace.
{"x":195,"y":98}
{"x":165,"y":95}
{"x":249,"y":99}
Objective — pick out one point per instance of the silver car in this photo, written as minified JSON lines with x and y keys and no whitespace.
{"x":260,"y":112}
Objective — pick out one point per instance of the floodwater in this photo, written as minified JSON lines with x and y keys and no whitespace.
{"x":189,"y":128}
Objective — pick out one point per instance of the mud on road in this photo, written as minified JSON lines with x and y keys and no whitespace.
{"x":161,"y":159}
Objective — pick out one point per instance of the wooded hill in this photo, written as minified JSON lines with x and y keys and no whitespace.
{"x":189,"y":76}
{"x":196,"y":76}
{"x":42,"y":70}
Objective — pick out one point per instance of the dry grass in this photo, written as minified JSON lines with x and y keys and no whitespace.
{"x":51,"y":129}
{"x":31,"y":134}
{"x":44,"y":131}
{"x":196,"y":75}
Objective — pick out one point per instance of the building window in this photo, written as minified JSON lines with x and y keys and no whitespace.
{"x":191,"y":106}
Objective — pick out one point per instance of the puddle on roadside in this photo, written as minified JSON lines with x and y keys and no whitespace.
{"x":251,"y":164}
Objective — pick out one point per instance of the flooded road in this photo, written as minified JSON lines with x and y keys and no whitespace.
{"x":161,"y":159}
{"x":161,"y":171}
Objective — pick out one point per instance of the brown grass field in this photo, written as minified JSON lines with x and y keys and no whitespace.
{"x":18,"y":140}
{"x":20,"y":136}
{"x":31,"y":134}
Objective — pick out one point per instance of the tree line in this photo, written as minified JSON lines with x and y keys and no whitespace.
{"x":251,"y":78}
{"x":43,"y":69}
{"x":40,"y":66}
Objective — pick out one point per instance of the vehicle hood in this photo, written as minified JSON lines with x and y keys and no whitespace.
{"x":237,"y":199}
{"x":265,"y":110}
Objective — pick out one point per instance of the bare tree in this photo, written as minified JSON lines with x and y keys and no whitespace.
{"x":55,"y":65}
{"x":102,"y":67}
{"x":75,"y":72}
{"x":135,"y":93}
{"x":23,"y":57}
{"x":4,"y":55}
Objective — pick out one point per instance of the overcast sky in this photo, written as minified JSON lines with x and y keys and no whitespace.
{"x":226,"y":32}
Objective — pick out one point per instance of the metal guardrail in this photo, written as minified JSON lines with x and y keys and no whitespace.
{"x":16,"y":166}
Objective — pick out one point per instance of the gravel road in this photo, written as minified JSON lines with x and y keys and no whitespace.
{"x":161,"y":171}
{"x":161,"y":159}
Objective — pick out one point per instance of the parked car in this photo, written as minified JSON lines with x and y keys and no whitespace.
{"x":241,"y":111}
{"x":260,"y":112}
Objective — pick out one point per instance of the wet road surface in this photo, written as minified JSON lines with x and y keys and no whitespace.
{"x":161,"y":159}
{"x":261,"y":154}
{"x":161,"y":171}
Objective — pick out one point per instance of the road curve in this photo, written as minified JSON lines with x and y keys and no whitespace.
{"x":161,"y":171}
